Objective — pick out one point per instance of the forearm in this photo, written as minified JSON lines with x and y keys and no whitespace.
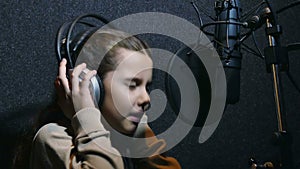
{"x":92,"y":141}
{"x":90,"y":147}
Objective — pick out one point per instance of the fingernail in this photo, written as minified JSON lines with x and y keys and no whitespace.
{"x":63,"y":61}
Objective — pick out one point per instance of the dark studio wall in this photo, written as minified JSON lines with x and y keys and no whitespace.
{"x":29,"y":66}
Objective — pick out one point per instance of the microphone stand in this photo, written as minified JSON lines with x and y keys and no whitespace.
{"x":276,"y":58}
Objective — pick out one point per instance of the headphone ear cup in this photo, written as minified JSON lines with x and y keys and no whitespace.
{"x":97,"y":89}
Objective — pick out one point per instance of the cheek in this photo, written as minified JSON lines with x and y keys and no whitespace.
{"x":120,"y":96}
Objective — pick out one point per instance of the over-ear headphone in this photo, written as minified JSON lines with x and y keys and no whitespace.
{"x":69,"y":47}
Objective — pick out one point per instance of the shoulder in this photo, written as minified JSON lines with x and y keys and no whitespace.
{"x":51,"y":147}
{"x":50,"y":132}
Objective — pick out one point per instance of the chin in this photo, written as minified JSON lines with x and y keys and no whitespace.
{"x":130,"y":128}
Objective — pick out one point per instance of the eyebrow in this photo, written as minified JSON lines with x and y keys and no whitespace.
{"x":137,"y":80}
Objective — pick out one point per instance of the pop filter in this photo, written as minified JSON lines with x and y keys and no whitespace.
{"x":193,"y":62}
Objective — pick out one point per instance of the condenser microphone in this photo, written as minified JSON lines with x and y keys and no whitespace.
{"x":257,"y":21}
{"x":226,"y":38}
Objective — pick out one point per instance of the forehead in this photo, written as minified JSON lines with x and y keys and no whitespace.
{"x":133,"y":63}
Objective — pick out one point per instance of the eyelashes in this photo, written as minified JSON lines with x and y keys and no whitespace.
{"x":134,"y":85}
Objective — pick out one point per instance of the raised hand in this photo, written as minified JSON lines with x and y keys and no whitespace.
{"x":74,"y":95}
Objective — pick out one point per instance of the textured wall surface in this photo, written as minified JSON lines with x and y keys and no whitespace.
{"x":28,"y":67}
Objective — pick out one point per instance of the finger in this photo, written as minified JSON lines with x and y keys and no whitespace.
{"x":60,"y":91}
{"x":62,"y":76}
{"x":75,"y":77}
{"x":87,"y":78}
{"x":57,"y":83}
{"x":62,"y":68}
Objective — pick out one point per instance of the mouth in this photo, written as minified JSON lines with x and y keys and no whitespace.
{"x":135,"y":117}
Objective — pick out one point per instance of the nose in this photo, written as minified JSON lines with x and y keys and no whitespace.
{"x":144,"y":100}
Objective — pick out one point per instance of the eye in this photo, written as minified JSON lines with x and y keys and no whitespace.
{"x":148,"y":87}
{"x":132,"y":85}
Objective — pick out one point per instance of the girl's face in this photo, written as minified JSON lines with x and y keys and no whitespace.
{"x":126,"y":92}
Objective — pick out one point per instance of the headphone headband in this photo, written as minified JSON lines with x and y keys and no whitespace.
{"x":66,"y":40}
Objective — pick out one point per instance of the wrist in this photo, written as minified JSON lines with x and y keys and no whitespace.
{"x":86,"y":120}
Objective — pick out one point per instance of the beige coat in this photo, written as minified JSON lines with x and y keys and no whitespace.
{"x":89,"y":147}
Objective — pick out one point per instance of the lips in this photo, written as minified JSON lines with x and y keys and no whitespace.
{"x":135,"y":117}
